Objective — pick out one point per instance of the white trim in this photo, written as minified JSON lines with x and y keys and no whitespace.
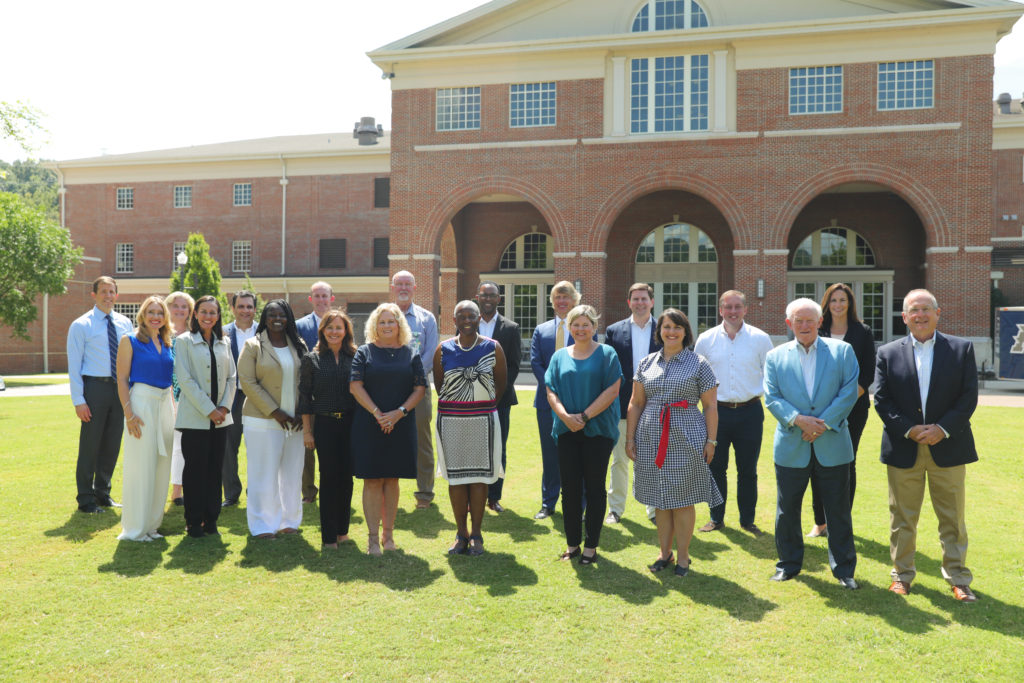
{"x":618,"y":96}
{"x":426,"y":257}
{"x":459,"y":271}
{"x":681,"y":136}
{"x":563,"y":254}
{"x":399,"y":257}
{"x":494,"y":145}
{"x":593,"y":254}
{"x":776,"y":252}
{"x":1008,"y":239}
{"x":92,"y":258}
{"x":941,"y":250}
{"x":978,"y":250}
{"x":996,"y":275}
{"x":863,"y":130}
{"x":362,"y":284}
{"x":746,"y":252}
{"x":719,"y":91}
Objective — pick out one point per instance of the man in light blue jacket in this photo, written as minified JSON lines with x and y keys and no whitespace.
{"x":810,"y":386}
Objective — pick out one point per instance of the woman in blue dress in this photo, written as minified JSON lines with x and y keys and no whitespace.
{"x":469,"y":374}
{"x":145,"y":362}
{"x":387,"y":380}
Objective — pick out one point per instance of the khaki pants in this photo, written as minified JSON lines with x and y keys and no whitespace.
{"x":618,"y":481}
{"x":906,"y":495}
{"x":424,"y":448}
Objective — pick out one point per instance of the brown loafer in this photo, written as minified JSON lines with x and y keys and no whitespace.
{"x":712,"y":526}
{"x":899,"y":588}
{"x":964,"y":594}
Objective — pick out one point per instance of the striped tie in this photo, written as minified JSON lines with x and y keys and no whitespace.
{"x":560,"y":335}
{"x":112,"y":343}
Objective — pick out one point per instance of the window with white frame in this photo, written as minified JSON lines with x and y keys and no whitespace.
{"x":241,"y":256}
{"x":531,"y":251}
{"x":458,"y":108}
{"x":127,"y":310}
{"x":834,"y":247}
{"x":680,"y":262}
{"x":816,"y":90}
{"x":178,"y":248}
{"x":906,"y":85}
{"x":126,"y":198}
{"x":243,"y":194}
{"x":124,"y":255}
{"x":669,"y":94}
{"x":669,"y":15}
{"x":532,"y":104}
{"x":182,"y":196}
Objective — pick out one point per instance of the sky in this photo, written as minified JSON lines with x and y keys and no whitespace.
{"x":118,"y":76}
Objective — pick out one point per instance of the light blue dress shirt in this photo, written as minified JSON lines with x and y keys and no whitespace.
{"x":424,"y":335}
{"x":89,"y":350}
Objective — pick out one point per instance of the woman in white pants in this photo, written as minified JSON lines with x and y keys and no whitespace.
{"x":144,"y":365}
{"x":181,"y":305}
{"x":268,"y":370}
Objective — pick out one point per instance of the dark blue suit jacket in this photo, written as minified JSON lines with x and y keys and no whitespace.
{"x":542,"y":347}
{"x":620,"y":337}
{"x":506,"y":333}
{"x":231,"y":332}
{"x":307,"y":328}
{"x":952,"y":398}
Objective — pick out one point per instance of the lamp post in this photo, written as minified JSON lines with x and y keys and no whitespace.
{"x":182,"y":259}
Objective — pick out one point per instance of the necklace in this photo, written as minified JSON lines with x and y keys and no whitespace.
{"x":476,"y":340}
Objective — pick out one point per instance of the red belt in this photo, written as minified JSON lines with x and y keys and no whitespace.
{"x":666,"y":422}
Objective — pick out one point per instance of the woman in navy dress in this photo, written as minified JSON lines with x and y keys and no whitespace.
{"x":387,"y":382}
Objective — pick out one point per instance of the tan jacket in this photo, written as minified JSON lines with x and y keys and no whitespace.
{"x":192,"y":370}
{"x":260,"y":374}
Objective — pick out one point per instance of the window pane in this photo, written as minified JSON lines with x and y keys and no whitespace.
{"x":532,"y":104}
{"x":677,"y":243}
{"x":872,"y":308}
{"x":524,"y":308}
{"x":707,"y":306}
{"x":705,"y":249}
{"x":458,"y":108}
{"x":535,"y":251}
{"x":241,"y":256}
{"x":645,"y":254}
{"x":906,"y":85}
{"x":125,"y":198}
{"x":669,"y":93}
{"x":805,"y":289}
{"x":833,"y":247}
{"x":124,"y":257}
{"x":508,"y":259}
{"x":802,"y":258}
{"x":182,"y":196}
{"x":699,"y":92}
{"x":243,"y":194}
{"x":863,"y":254}
{"x":638,"y":96}
{"x":176,"y":249}
{"x":641,"y":23}
{"x":816,"y":89}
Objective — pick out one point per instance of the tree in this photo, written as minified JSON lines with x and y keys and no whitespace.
{"x":33,"y":182}
{"x":18,"y":121}
{"x":36,"y":257}
{"x":201,"y":274}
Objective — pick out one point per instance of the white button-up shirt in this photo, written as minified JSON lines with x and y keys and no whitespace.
{"x":808,"y":363}
{"x":487,"y":328}
{"x":641,"y":340}
{"x":738,"y":363}
{"x":924,"y":354}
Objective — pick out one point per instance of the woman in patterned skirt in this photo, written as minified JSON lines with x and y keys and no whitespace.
{"x":671,"y":442}
{"x":469,"y":374}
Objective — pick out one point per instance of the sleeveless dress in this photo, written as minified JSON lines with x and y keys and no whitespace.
{"x":468,"y":432}
{"x":684,"y":479}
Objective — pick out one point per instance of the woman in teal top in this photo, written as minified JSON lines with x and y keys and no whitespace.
{"x":583,"y":389}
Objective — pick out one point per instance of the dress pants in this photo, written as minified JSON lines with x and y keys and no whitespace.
{"x":551,"y":478}
{"x":583,"y":462}
{"x":618,"y":480}
{"x":856,"y":421}
{"x":309,"y":489}
{"x":177,"y":460}
{"x":147,"y":464}
{"x":906,"y":495}
{"x":424,"y":448}
{"x":834,"y":483}
{"x":742,"y":429}
{"x":229,"y":478}
{"x":504,"y":416}
{"x":332,"y":448}
{"x":204,"y":466}
{"x":99,"y":440}
{"x":274,"y":477}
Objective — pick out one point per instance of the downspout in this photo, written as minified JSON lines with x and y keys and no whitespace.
{"x":62,"y":193}
{"x":284,"y":210}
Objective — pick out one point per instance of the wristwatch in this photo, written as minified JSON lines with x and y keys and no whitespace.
{"x":713,"y":443}
{"x":404,"y":411}
{"x":586,"y":418}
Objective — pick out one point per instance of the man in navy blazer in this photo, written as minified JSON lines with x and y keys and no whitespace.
{"x":505,"y":332}
{"x":810,"y":386}
{"x":927,"y":390}
{"x":321,"y":295}
{"x":243,"y":305}
{"x":548,"y":337}
{"x":638,"y":327}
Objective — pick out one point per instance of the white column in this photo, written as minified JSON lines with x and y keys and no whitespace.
{"x":618,"y":95}
{"x":721,"y":80}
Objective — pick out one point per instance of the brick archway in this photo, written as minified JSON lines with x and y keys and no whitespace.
{"x":440,"y":216}
{"x":919,"y":198}
{"x":636,"y":188}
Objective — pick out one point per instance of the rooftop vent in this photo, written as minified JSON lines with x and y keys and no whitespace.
{"x":367,"y":132}
{"x":1003,"y":101}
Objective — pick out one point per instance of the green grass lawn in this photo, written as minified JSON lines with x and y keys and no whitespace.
{"x":77,"y":604}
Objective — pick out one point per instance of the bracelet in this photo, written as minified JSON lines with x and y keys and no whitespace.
{"x":713,"y":443}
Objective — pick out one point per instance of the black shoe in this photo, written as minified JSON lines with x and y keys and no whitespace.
{"x":195,"y":532}
{"x":210,"y":532}
{"x":782,"y":575}
{"x":229,"y":502}
{"x":588,"y":559}
{"x":848,"y":583}
{"x":752,"y":528}
{"x":90,"y":508}
{"x":495,"y":506}
{"x":543,"y":513}
{"x":179,"y":501}
{"x":681,"y":570}
{"x":661,"y":564}
{"x":107,"y":502}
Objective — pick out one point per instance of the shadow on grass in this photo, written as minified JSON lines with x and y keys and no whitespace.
{"x":718,"y":593}
{"x":135,"y":558}
{"x":608,"y":577}
{"x":197,"y":555}
{"x":762,"y":547}
{"x":279,"y":554}
{"x":395,"y":569}
{"x":519,"y":529}
{"x":626,"y":533}
{"x":81,"y":527}
{"x":499,"y":572}
{"x":988,"y":613}
{"x":877,"y":602}
{"x":426,"y":523}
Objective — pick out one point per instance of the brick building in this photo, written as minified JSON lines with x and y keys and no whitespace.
{"x":700,"y":146}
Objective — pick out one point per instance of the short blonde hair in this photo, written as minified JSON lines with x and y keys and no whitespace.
{"x":404,"y":333}
{"x":565,"y":287}
{"x":174,"y":296}
{"x":583,"y":310}
{"x":142,"y":333}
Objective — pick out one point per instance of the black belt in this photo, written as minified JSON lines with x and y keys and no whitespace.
{"x":109,"y":380}
{"x":336,"y":416}
{"x":739,"y":404}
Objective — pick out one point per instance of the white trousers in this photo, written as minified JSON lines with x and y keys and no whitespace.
{"x":147,"y":463}
{"x":618,"y":475}
{"x":274,"y":460}
{"x":177,"y":460}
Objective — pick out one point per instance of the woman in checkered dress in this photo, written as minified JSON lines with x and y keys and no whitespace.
{"x":671,"y":442}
